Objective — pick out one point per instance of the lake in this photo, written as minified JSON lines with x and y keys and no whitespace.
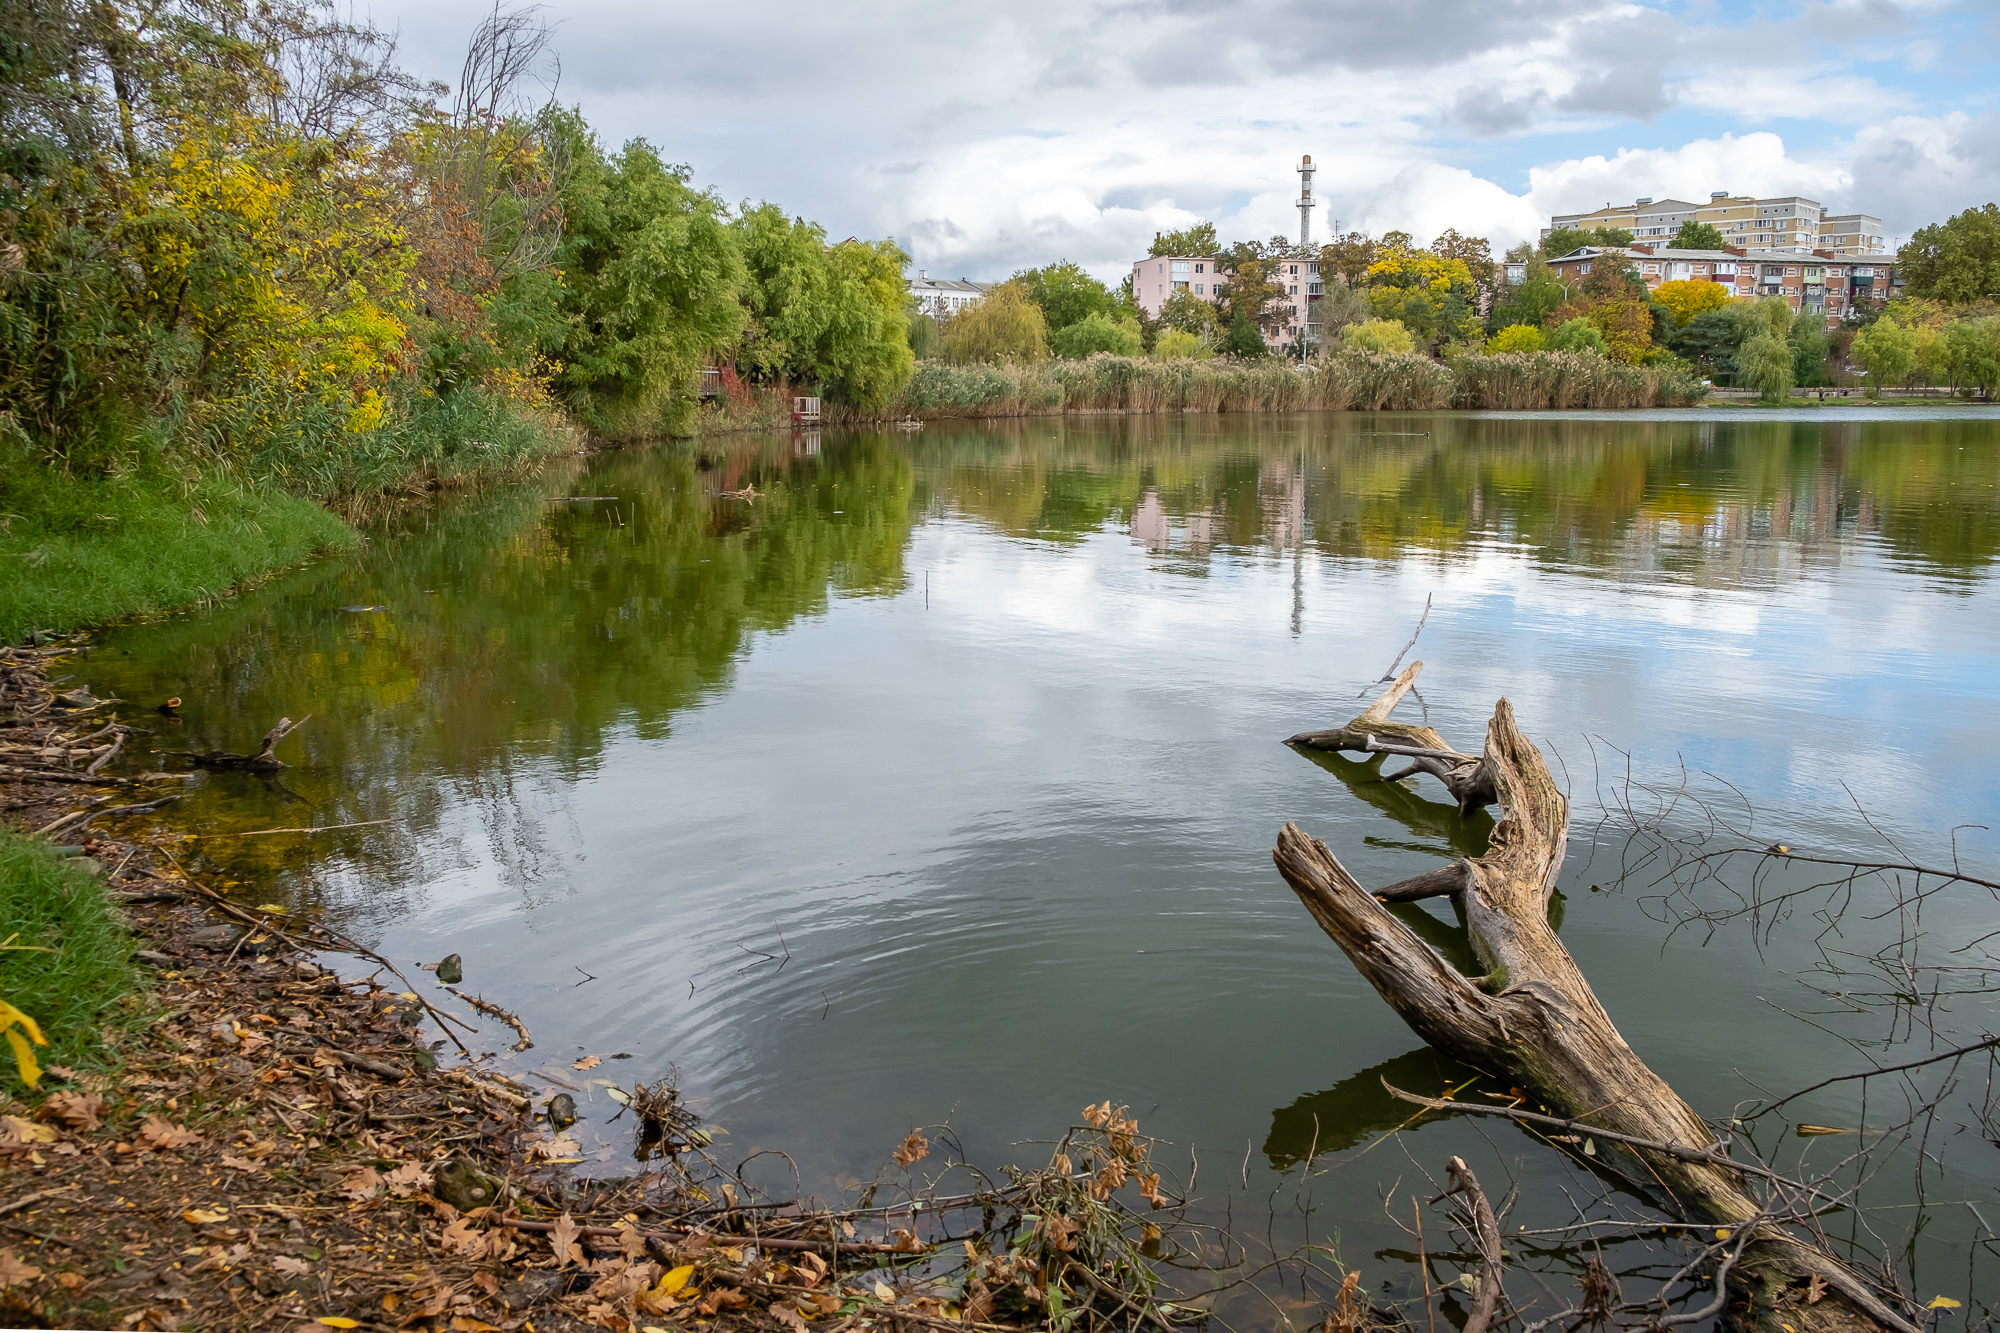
{"x":878,"y":780}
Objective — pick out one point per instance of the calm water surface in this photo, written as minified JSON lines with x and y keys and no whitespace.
{"x":977,"y":731}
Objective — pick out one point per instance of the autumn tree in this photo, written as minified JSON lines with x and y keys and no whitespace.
{"x":1685,"y":299}
{"x":1433,"y":295}
{"x":1250,"y":292}
{"x":1347,"y":257}
{"x":1477,"y":256}
{"x":1516,"y":338}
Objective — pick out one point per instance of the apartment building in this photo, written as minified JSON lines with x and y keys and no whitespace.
{"x":1158,"y":277}
{"x":1761,"y":226}
{"x":1817,"y":281}
{"x":941,"y":296}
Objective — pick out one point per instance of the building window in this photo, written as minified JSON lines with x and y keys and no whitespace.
{"x":1585,"y":268}
{"x":1180,"y":286}
{"x":1199,"y":267}
{"x":1197,"y":290}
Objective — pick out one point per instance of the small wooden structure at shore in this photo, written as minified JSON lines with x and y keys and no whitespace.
{"x":805,"y":411}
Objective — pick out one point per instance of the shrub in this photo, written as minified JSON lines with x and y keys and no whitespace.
{"x":1379,"y":335}
{"x":1577,"y":335}
{"x":1516,"y":338}
{"x":1096,"y":333}
{"x":1180,"y":345}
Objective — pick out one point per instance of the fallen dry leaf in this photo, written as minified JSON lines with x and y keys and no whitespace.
{"x":16,"y":1132}
{"x":364,"y":1183}
{"x":160,"y":1133}
{"x":203,"y":1216}
{"x":588,"y":1062}
{"x":13,"y":1272}
{"x":563,"y":1241}
{"x":240,"y":1164}
{"x":784,"y":1313}
{"x":406,"y":1179}
{"x":285,"y":1263}
{"x":78,"y":1110}
{"x":912,"y":1150}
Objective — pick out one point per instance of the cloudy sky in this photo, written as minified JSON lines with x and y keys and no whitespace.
{"x":992,"y":137}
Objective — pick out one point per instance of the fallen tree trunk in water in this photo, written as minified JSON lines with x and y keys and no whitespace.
{"x":1533,"y":1022}
{"x":1465,"y":776}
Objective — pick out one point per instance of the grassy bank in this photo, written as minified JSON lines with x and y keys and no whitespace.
{"x":76,"y":550}
{"x":68,"y":962}
{"x":137,"y":534}
{"x":1345,"y":380}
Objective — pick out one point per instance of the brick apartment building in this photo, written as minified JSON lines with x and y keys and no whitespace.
{"x":1760,"y":226}
{"x":1820,"y":281}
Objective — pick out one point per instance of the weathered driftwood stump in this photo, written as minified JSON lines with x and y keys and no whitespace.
{"x":264,"y":761}
{"x":1465,"y":776}
{"x":1533,"y":1022}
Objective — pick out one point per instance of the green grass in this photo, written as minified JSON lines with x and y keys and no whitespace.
{"x":75,"y":551}
{"x":52,"y":903}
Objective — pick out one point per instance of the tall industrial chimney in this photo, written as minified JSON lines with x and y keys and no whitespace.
{"x":1305,"y":199}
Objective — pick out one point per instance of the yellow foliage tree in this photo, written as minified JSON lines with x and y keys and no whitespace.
{"x":1516,"y":338}
{"x":283,"y":263}
{"x":1687,"y":299}
{"x":1380,"y":335}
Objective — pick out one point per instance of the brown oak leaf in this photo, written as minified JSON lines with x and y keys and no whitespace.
{"x":563,"y":1241}
{"x":160,"y":1133}
{"x":78,"y":1110}
{"x":13,"y":1271}
{"x":362,"y":1183}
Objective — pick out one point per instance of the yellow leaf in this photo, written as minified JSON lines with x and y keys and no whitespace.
{"x":24,"y":1057}
{"x":337,"y":1321}
{"x":1942,"y":1303}
{"x":1722,"y":1233}
{"x":676,"y":1278}
{"x":203,"y":1216}
{"x":884,"y":1292}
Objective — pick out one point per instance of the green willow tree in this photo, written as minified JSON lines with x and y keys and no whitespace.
{"x":652,"y":277}
{"x":828,"y":316}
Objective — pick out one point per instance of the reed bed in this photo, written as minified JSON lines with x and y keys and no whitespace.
{"x":1349,"y":379}
{"x":1534,"y":380}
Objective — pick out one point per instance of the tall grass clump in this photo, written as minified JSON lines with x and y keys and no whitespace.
{"x":69,"y":961}
{"x":427,"y":443}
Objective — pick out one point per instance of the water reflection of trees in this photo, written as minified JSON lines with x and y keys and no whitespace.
{"x":1716,"y":503}
{"x":517,"y":634}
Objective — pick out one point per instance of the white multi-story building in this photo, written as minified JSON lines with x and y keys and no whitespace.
{"x":941,"y":296}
